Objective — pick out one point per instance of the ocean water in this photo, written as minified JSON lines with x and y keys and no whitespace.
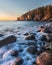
{"x":16,"y":24}
{"x":18,"y":29}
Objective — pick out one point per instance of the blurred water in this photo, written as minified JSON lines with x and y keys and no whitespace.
{"x":15,"y":24}
{"x":15,"y":28}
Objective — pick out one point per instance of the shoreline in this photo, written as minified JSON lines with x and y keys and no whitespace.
{"x":24,"y":46}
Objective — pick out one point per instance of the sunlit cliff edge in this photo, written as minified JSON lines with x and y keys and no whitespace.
{"x":39,"y":14}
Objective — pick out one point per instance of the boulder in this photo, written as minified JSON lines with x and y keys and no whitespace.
{"x":30,"y":37}
{"x":18,"y":61}
{"x":45,"y":58}
{"x":7,"y":40}
{"x":14,"y":53}
{"x":32,"y":50}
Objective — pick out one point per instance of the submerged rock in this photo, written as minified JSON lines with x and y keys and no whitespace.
{"x":8,"y":40}
{"x":14,"y":53}
{"x":30,"y":37}
{"x":32,"y":50}
{"x":45,"y":58}
{"x":20,"y":50}
{"x":18,"y":61}
{"x":34,"y":63}
{"x":26,"y":34}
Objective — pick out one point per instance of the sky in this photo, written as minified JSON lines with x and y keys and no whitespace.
{"x":11,"y":9}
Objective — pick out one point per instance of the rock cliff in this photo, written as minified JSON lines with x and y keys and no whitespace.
{"x":38,"y":14}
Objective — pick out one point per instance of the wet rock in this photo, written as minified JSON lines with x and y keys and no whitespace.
{"x":48,"y":49}
{"x":28,"y":58}
{"x":34,"y":63}
{"x":30,"y":37}
{"x":48,"y":45}
{"x":50,"y":37}
{"x":32,"y":33}
{"x":42,"y":28}
{"x":48,"y":28}
{"x":14,"y":53}
{"x":45,"y":58}
{"x":18,"y":61}
{"x":8,"y":40}
{"x":42,"y":49}
{"x":38,"y":31}
{"x":32,"y":50}
{"x":20,"y":50}
{"x":26,"y":34}
{"x":47,"y":38}
{"x":19,"y":33}
{"x":47,"y":41}
{"x":43,"y":38}
{"x":39,"y":52}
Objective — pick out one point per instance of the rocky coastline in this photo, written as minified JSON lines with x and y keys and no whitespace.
{"x":37,"y":52}
{"x":38,"y":14}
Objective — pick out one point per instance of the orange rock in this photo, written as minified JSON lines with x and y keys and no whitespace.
{"x":45,"y":58}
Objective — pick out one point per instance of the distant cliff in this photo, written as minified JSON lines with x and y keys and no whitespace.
{"x":39,"y":14}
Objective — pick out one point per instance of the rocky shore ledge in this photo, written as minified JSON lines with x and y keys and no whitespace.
{"x":36,"y":52}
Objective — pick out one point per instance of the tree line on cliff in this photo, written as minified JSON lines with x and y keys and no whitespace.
{"x":40,"y":14}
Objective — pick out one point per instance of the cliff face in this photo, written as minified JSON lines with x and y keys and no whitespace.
{"x":39,"y":14}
